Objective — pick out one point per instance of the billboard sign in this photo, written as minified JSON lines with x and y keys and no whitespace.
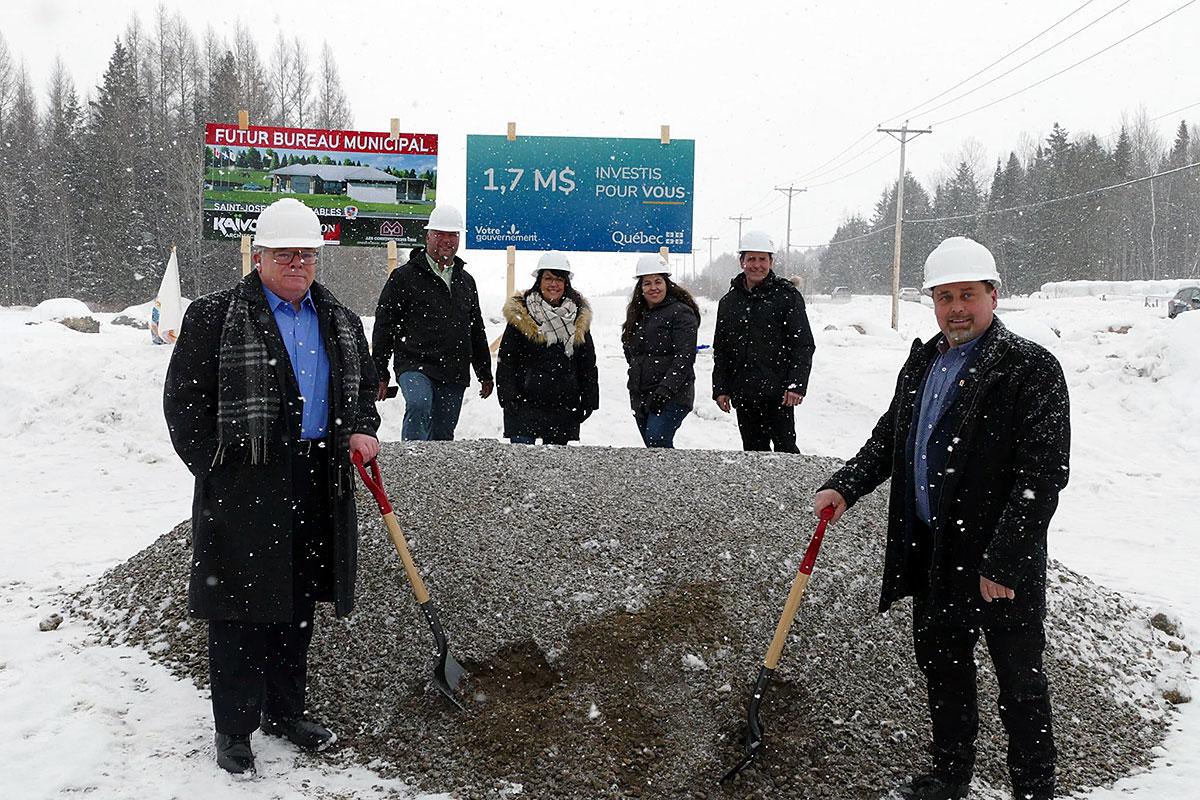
{"x":579,"y":193}
{"x":367,"y":188}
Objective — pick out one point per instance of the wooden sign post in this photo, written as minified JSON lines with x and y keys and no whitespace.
{"x":392,"y":256}
{"x":244,"y":124}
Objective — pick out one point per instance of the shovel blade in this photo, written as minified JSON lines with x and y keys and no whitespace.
{"x":752,"y":746}
{"x":447,"y":672}
{"x":447,"y":675}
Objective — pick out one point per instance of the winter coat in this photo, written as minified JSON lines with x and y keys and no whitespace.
{"x":542,"y":390}
{"x":241,"y":513}
{"x":763,"y":344}
{"x":662,"y":355}
{"x":1006,"y":437}
{"x":431,"y":328}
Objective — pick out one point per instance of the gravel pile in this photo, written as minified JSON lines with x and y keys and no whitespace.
{"x":612,"y":607}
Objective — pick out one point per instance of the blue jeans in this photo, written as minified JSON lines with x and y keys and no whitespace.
{"x":431,"y":407}
{"x":658,"y":430}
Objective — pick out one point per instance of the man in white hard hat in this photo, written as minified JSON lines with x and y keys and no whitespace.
{"x":762,"y":349}
{"x":428,"y":317}
{"x":976,"y":443}
{"x":269,"y":391}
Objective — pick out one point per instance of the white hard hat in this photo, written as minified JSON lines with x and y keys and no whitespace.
{"x":757,"y":241}
{"x":651,"y":265}
{"x":445,"y":218}
{"x":288,"y":223}
{"x":554,"y":260}
{"x":959,"y":259}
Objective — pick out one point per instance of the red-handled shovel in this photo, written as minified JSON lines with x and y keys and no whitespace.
{"x":447,"y":673}
{"x":754,"y":726}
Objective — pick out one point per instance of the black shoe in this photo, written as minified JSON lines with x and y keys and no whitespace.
{"x":931,"y":787}
{"x":234,"y":753}
{"x":304,"y":733}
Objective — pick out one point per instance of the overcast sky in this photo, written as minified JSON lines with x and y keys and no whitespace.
{"x":769,"y":91}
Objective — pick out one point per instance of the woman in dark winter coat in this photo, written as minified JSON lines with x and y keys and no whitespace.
{"x":659,"y":338}
{"x":546,"y":372}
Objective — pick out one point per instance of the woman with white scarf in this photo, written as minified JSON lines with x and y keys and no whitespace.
{"x":546,"y":374}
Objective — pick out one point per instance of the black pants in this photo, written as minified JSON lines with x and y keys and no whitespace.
{"x":262,"y":668}
{"x":945,"y":654}
{"x":764,"y":424}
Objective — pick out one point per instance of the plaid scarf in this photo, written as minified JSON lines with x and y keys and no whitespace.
{"x":555,"y":323}
{"x":249,"y":394}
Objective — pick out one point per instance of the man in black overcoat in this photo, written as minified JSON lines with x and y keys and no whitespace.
{"x":762,"y":349}
{"x":976,"y":443}
{"x":270,"y":389}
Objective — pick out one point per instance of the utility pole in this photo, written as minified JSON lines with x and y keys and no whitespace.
{"x":710,"y":240}
{"x":906,"y":133}
{"x":789,"y":190}
{"x":694,"y":273}
{"x":739,"y":221}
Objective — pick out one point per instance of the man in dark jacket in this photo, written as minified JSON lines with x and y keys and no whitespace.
{"x":976,"y":443}
{"x":269,"y":391}
{"x":762,"y":350}
{"x":428,"y":316}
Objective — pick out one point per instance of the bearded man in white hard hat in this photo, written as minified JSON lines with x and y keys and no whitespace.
{"x":762,"y":349}
{"x":976,"y":443}
{"x":428,"y":317}
{"x":270,"y":390}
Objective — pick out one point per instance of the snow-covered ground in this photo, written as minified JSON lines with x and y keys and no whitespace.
{"x":89,"y":478}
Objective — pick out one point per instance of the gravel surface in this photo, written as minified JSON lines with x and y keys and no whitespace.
{"x":612,"y":607}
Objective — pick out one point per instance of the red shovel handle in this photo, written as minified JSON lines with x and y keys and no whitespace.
{"x":374,"y":482}
{"x":810,"y":555}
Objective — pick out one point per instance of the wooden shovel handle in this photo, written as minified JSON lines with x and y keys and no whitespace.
{"x":374,"y":482}
{"x":799,"y":583}
{"x":410,"y":568}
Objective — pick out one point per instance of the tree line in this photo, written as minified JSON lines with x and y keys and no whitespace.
{"x":94,"y":187}
{"x":1145,"y":231}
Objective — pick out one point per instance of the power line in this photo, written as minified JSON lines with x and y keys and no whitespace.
{"x":809,"y":176}
{"x":866,"y":166}
{"x":1066,"y":69}
{"x":1010,"y":209}
{"x":1040,"y":203}
{"x":821,"y":168}
{"x":990,"y":81}
{"x":1016,"y":49}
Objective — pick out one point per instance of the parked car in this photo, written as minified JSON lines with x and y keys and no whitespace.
{"x":911,"y":294}
{"x":841,"y":294}
{"x":1186,"y":299}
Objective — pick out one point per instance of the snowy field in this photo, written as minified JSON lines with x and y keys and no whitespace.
{"x":90,"y":478}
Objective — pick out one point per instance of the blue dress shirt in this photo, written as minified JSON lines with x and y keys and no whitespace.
{"x":941,"y":387}
{"x":301,"y":332}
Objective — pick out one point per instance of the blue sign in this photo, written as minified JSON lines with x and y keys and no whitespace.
{"x":579,"y":193}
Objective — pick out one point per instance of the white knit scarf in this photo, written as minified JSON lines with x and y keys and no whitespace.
{"x":556,"y":324}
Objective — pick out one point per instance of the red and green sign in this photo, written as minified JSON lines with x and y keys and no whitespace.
{"x":368,"y":188}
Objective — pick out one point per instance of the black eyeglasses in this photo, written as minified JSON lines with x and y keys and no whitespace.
{"x":284,"y":257}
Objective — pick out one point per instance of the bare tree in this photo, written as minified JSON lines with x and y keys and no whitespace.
{"x":255,"y":94}
{"x":302,"y":83}
{"x":280,"y":80}
{"x":6,"y":79}
{"x":333,"y":111}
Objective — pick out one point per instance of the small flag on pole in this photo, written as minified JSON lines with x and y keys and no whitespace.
{"x":167,"y":315}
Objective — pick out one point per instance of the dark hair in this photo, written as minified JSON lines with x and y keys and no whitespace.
{"x":568,"y":291}
{"x":637,"y":309}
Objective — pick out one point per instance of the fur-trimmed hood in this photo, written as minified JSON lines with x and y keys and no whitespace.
{"x":517,"y":315}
